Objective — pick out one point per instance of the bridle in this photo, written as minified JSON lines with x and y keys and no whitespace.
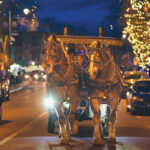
{"x":57,"y":60}
{"x":101,"y":66}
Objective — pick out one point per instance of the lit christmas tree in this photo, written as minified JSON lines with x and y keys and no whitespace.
{"x":136,"y":28}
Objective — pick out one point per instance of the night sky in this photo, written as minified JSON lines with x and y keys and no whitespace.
{"x":88,"y":13}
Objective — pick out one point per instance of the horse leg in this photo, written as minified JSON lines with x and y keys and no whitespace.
{"x":68,"y":127}
{"x":96,"y":122}
{"x":108,"y":123}
{"x":111,"y":125}
{"x":72,"y":120}
{"x":62,"y":126}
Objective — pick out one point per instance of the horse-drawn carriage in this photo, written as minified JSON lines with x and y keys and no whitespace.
{"x":79,"y":91}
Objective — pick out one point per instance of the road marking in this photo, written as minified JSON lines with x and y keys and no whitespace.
{"x":8,"y":138}
{"x":15,"y":90}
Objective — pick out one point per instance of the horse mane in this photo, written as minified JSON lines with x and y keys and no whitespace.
{"x":61,"y":44}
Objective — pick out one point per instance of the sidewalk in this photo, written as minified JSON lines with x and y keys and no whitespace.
{"x":19,"y":86}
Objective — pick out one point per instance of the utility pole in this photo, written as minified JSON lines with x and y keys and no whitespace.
{"x":9,"y":33}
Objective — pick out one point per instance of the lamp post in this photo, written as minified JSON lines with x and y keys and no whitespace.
{"x":9,"y":26}
{"x":26,"y":11}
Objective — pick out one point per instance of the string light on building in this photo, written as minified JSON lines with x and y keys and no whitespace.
{"x":136,"y":14}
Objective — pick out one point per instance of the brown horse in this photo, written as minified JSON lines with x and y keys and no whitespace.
{"x":103,"y":79}
{"x":62,"y":81}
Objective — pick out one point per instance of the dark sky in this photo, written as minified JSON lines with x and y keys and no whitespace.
{"x":90,"y":13}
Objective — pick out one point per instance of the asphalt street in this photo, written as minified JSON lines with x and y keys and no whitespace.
{"x":24,"y":126}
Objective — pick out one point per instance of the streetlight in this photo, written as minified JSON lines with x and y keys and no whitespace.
{"x":26,"y":11}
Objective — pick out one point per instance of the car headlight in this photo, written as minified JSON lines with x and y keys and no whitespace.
{"x":135,"y":98}
{"x":26,"y":76}
{"x":36,"y":76}
{"x":44,"y":76}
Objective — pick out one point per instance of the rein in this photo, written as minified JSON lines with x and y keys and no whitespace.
{"x":106,"y":63}
{"x":102,"y":67}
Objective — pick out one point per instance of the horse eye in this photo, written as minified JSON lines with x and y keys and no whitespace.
{"x":48,"y":65}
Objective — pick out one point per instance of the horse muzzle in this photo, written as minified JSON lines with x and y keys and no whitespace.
{"x":48,"y":68}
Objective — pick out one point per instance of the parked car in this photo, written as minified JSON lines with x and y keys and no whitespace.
{"x":5,"y":89}
{"x":4,"y":93}
{"x":129,"y":78}
{"x":42,"y":76}
{"x":27,"y":75}
{"x":138,"y":96}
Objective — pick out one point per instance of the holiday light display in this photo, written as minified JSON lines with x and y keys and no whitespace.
{"x":136,"y":15}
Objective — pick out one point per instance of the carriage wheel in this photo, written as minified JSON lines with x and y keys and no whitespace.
{"x":0,"y":112}
{"x":52,"y":117}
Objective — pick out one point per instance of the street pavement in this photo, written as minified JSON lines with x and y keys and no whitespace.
{"x":24,"y":126}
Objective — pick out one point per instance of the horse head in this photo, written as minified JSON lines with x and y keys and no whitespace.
{"x":100,"y":60}
{"x":95,"y":57}
{"x":51,"y":51}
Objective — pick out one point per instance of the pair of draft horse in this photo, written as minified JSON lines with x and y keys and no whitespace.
{"x":102,"y":77}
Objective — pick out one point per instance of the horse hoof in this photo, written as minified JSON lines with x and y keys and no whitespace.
{"x":98,"y":142}
{"x":64,"y":141}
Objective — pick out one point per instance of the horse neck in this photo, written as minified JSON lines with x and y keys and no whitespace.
{"x":108,"y":71}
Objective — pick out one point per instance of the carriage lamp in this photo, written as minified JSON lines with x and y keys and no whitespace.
{"x":49,"y":102}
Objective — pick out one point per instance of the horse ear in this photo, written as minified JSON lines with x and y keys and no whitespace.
{"x":54,"y":37}
{"x":45,"y":38}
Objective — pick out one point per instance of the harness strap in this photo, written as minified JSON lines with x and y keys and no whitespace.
{"x":107,"y":63}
